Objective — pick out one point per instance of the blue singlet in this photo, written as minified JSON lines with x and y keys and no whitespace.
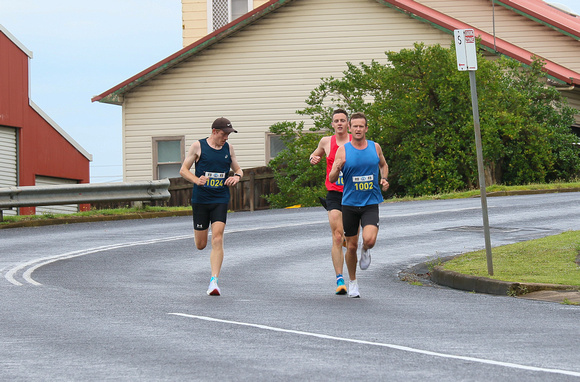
{"x":361,"y":176}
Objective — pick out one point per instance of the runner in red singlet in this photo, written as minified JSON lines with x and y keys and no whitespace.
{"x":328,"y":146}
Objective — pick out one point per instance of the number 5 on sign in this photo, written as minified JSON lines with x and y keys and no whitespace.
{"x":465,"y":49}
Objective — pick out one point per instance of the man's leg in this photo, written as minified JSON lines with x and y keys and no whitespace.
{"x":335,"y":220}
{"x":370,"y":230}
{"x":216,"y":257}
{"x":200,"y":238}
{"x":350,"y":256}
{"x":351,"y":261}
{"x":200,"y":220}
{"x":369,"y":236}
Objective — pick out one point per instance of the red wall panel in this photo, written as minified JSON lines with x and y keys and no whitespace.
{"x":13,"y":83}
{"x":42,"y":150}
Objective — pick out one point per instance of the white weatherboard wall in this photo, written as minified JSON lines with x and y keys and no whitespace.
{"x":62,"y":209}
{"x":194,"y":17}
{"x":262,"y":75}
{"x":514,"y":28}
{"x":8,"y":160}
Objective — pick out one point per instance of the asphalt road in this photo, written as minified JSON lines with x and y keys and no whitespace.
{"x":126,"y":300}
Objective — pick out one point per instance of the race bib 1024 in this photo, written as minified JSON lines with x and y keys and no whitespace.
{"x":215,"y":179}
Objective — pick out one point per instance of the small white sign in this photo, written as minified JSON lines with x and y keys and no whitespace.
{"x":465,"y":49}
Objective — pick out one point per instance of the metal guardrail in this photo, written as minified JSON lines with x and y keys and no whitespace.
{"x":33,"y":196}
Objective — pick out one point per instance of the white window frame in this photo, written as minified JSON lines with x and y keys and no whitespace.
{"x":155,"y":154}
{"x":210,"y":13}
{"x":268,"y":150}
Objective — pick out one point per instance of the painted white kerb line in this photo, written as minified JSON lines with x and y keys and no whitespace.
{"x":69,"y":255}
{"x":391,"y":346}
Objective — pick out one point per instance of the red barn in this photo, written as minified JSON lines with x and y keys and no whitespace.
{"x":34,"y":150}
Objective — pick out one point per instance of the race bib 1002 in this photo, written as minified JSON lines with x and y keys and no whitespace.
{"x":363,"y":183}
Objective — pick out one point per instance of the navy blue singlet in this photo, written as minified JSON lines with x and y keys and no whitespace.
{"x":215,"y":164}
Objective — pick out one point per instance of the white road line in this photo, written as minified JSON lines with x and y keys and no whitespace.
{"x":391,"y":346}
{"x":37,"y":263}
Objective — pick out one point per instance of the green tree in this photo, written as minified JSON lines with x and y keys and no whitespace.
{"x":419,"y":111}
{"x":299,"y":182}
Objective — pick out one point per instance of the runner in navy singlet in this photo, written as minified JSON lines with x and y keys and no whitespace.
{"x":213,"y":158}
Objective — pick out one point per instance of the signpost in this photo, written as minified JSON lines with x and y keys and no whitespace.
{"x":467,"y":60}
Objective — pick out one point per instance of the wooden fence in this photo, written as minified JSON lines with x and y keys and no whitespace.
{"x":247,"y":195}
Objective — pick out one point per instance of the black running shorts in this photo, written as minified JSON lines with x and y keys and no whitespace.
{"x":353,"y":217}
{"x":334,"y":200}
{"x":205,"y":214}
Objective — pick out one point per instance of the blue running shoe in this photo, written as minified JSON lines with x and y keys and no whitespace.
{"x":340,"y":287}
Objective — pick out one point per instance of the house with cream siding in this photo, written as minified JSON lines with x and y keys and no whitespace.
{"x":260,"y":68}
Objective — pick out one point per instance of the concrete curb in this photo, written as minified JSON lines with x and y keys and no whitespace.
{"x":479,"y":284}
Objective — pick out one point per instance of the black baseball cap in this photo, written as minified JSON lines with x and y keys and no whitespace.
{"x":223,"y":124}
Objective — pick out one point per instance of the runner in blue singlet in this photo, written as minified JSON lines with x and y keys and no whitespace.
{"x":362,"y":163}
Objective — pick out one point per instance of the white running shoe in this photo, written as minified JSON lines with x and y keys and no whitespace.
{"x":353,"y":289}
{"x":365,"y":258}
{"x":213,"y":289}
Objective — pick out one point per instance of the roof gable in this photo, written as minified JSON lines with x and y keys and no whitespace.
{"x":488,"y":42}
{"x":530,"y":8}
{"x":15,"y":41}
{"x":115,"y":94}
{"x":543,"y":13}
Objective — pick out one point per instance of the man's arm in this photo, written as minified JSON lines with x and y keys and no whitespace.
{"x":233,"y":180}
{"x":383,"y":168}
{"x":316,"y":155}
{"x":192,"y":156}
{"x":337,"y":165}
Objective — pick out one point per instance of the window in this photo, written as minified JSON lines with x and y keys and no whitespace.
{"x":168,"y":154}
{"x":273,"y":146}
{"x":221,"y":12}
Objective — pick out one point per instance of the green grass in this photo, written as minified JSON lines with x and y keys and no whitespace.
{"x":493,"y":188}
{"x":550,"y":260}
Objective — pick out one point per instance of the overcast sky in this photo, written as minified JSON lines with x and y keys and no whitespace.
{"x":83,"y":48}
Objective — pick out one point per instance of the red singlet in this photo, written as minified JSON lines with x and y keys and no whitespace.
{"x":338,"y":186}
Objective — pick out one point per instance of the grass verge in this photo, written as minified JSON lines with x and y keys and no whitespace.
{"x":556,"y":186}
{"x":549,"y":260}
